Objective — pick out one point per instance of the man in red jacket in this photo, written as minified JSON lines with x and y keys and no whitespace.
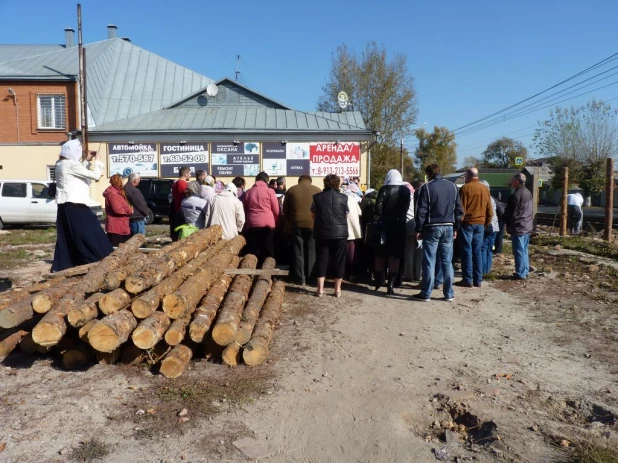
{"x":261,"y":213}
{"x":178,"y":194}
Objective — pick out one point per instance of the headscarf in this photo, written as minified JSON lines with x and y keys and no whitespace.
{"x":409,"y":187}
{"x":209,"y":180}
{"x":72,"y":150}
{"x":353,"y":187}
{"x":116,"y":181}
{"x":219,"y":186}
{"x":484,"y":182}
{"x":231,"y":187}
{"x":193,"y":187}
{"x":393,"y":177}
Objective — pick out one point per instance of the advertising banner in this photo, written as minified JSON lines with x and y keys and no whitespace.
{"x":173,"y":156}
{"x":235,"y":159}
{"x":125,"y":158}
{"x":341,"y":159}
{"x":285,"y":159}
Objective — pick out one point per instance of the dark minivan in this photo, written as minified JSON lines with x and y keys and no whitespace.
{"x":156,"y":192}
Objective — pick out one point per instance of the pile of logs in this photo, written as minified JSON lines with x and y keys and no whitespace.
{"x":193,"y":296}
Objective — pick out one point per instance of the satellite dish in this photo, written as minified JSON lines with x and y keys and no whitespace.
{"x":343,"y":100}
{"x":212,"y":90}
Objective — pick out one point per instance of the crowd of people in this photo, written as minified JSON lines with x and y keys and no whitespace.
{"x":401,"y":232}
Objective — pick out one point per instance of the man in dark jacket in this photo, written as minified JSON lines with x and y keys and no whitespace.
{"x":438,"y":216}
{"x":518,"y":220}
{"x":137,"y":222}
{"x":299,"y":225}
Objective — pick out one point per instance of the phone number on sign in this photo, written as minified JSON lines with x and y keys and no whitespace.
{"x":184,"y":158}
{"x":127,"y":158}
{"x":337,"y":170}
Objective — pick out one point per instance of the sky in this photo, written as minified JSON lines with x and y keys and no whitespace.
{"x":469,"y":58}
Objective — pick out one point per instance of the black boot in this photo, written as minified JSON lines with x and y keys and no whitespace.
{"x":379,"y":280}
{"x":391,"y":283}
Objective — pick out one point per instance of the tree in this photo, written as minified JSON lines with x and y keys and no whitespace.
{"x":502,"y":153}
{"x":582,"y":139}
{"x":382,"y":90}
{"x":381,"y":162}
{"x":436,"y":147}
{"x":472,"y":161}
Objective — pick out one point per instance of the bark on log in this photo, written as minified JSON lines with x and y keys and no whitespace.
{"x":209,"y":305}
{"x":163,"y":266}
{"x":114,"y":301}
{"x":186,"y":297}
{"x":8,"y":344}
{"x":85,"y":312}
{"x":137,"y":263}
{"x":150,"y":330}
{"x":44,"y":300}
{"x":225,"y":328}
{"x":177,"y":331}
{"x":231,"y":355}
{"x":111,"y":331}
{"x":52,"y":327}
{"x":82,"y":333}
{"x":254,"y":305}
{"x":71,"y":272}
{"x":258,"y":348}
{"x":148,"y":302}
{"x":176,"y":362}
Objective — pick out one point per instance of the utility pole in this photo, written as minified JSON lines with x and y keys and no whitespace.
{"x":563,"y":202}
{"x":82,"y":83}
{"x":609,"y":200}
{"x":401,"y":154}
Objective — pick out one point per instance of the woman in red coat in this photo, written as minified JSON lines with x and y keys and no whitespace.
{"x":118,"y":211}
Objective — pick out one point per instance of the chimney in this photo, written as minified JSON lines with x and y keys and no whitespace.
{"x":69,"y":37}
{"x":112,"y":31}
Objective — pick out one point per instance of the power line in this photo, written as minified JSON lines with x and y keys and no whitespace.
{"x":606,"y":60}
{"x":478,"y":143}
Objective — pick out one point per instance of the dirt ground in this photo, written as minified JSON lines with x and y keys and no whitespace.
{"x":513,"y":371}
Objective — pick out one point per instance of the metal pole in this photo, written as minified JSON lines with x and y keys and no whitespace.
{"x":369,"y":164}
{"x":609,"y":200}
{"x":82,"y":82}
{"x":563,"y":202}
{"x":401,"y":154}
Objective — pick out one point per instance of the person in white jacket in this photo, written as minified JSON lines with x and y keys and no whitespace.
{"x":355,"y":233}
{"x":227,"y":210}
{"x":79,"y":237}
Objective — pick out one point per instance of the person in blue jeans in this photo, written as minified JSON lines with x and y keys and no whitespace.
{"x":518,"y":220}
{"x":477,"y":214}
{"x":438,"y":216}
{"x":489,"y":235}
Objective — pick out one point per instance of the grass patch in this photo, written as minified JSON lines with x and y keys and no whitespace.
{"x":13,"y":258}
{"x":579,"y":243}
{"x":20,"y":236}
{"x":589,"y":452}
{"x":91,"y":450}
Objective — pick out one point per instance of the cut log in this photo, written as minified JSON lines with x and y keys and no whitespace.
{"x":163,"y":266}
{"x":225,"y":328}
{"x":186,"y":297}
{"x":150,"y":330}
{"x":77,"y":357}
{"x":17,"y":313}
{"x":177,"y":331}
{"x":148,"y":302}
{"x":254,"y":305}
{"x":110,"y":332}
{"x":71,"y":272}
{"x":259,"y":272}
{"x":8,"y":344}
{"x":44,"y":300}
{"x":82,"y":333}
{"x":27,"y":345}
{"x":176,"y":362}
{"x":258,"y":348}
{"x":84,"y":312}
{"x":52,"y":327}
{"x":209,"y":306}
{"x":114,"y":301}
{"x":231,"y":354}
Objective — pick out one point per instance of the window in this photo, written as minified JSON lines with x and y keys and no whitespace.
{"x":51,"y":112}
{"x":162,"y":188}
{"x":51,"y":173}
{"x":14,"y":190}
{"x":40,"y":191}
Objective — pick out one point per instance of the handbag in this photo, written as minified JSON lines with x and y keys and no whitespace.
{"x":375,"y":234}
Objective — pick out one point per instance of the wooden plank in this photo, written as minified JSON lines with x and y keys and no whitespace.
{"x":70,"y":272}
{"x":257,"y":271}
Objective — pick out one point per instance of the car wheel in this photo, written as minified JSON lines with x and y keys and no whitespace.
{"x":150,"y":217}
{"x":1,"y":224}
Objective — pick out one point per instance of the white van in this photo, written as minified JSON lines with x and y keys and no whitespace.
{"x":26,"y":202}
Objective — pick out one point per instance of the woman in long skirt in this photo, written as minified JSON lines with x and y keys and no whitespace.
{"x":80,"y":239}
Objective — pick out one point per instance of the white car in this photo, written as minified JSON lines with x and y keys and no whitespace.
{"x":26,"y":202}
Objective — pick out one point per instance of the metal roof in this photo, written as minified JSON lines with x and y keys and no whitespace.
{"x":123,"y":79}
{"x":237,"y":119}
{"x":16,"y":51}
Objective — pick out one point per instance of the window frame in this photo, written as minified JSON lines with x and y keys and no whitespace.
{"x":56,"y":99}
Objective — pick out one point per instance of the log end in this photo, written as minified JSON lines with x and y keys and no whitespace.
{"x":48,"y":333}
{"x":134,"y":285}
{"x":103,"y":338}
{"x":142,"y":308}
{"x":144,"y":338}
{"x":175,"y":305}
{"x":254,"y":355}
{"x":173,"y":337}
{"x":231,"y":355}
{"x":176,"y":362}
{"x":41,"y":303}
{"x":223,"y":334}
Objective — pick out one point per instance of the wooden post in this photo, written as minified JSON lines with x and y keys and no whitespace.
{"x":82,"y":82}
{"x":609,"y":200}
{"x":563,"y":202}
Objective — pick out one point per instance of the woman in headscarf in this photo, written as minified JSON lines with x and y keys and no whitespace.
{"x":406,"y":267}
{"x":117,"y":212}
{"x":355,"y":234}
{"x":391,"y":210}
{"x":80,"y":239}
{"x":227,"y":210}
{"x":207,"y":189}
{"x":194,"y":207}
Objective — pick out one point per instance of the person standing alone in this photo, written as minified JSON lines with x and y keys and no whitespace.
{"x":518,"y":220}
{"x":477,"y":213}
{"x":137,"y":221}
